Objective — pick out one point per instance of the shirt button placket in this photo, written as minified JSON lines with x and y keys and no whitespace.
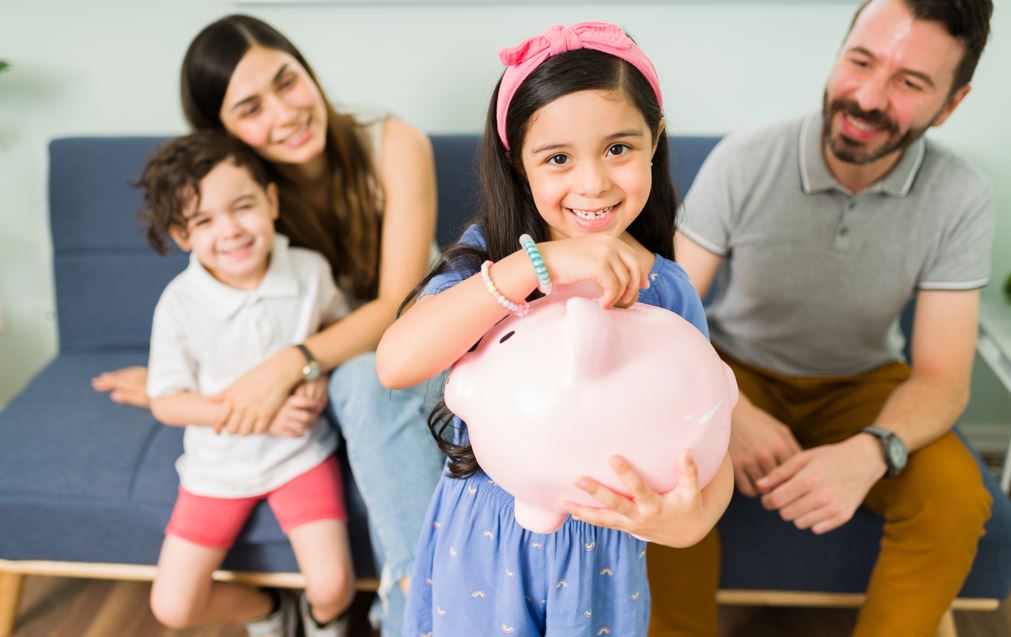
{"x":842,"y":232}
{"x":262,"y":328}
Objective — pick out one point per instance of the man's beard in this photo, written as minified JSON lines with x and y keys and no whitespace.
{"x":852,"y":151}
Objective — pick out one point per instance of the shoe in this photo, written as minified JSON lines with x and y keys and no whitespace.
{"x":281,"y":623}
{"x":337,"y":628}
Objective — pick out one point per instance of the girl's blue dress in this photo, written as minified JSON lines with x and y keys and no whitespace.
{"x":478,"y":572}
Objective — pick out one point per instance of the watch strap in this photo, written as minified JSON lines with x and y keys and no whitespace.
{"x":878,"y":432}
{"x":885,"y":439}
{"x":311,"y":370}
{"x":309,"y":358}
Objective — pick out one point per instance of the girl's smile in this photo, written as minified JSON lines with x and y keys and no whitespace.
{"x":595,"y":220}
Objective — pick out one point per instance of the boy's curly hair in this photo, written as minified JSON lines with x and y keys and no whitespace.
{"x":171,"y":179}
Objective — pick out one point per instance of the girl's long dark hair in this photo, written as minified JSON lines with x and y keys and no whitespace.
{"x":348,"y":232}
{"x":506,"y":205}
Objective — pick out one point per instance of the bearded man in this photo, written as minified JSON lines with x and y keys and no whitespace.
{"x":822,"y":229}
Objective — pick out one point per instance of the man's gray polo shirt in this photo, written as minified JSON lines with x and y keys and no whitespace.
{"x":815,"y":277}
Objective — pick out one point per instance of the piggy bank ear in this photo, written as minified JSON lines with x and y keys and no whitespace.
{"x":592,"y":336}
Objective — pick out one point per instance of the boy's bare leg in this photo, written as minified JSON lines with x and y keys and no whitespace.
{"x":184,"y":595}
{"x":324,"y":558}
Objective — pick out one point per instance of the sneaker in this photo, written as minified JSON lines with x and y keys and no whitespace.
{"x":337,"y":628}
{"x":281,"y":623}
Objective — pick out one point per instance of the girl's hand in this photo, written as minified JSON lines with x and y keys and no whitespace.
{"x":127,"y":386}
{"x":255,"y":398}
{"x":301,"y":410}
{"x":617,"y":268}
{"x":679,"y":518}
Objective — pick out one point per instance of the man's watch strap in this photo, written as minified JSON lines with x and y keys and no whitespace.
{"x":892,"y":449}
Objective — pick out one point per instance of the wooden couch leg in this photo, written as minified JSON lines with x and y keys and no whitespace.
{"x":947,"y":626}
{"x":10,"y":595}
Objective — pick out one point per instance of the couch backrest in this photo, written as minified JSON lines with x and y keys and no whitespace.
{"x":108,"y":279}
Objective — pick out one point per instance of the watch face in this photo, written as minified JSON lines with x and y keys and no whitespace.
{"x":311,"y":371}
{"x":896,"y":454}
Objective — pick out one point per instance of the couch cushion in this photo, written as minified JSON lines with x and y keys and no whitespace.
{"x":85,"y":287}
{"x":72,"y":459}
{"x":457,"y":179}
{"x":93,"y":218}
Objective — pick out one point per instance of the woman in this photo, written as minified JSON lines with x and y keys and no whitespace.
{"x":360,"y":189}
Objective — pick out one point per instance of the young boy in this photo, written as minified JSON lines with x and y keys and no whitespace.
{"x":245,"y":295}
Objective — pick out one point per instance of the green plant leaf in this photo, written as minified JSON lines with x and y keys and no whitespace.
{"x":3,"y":66}
{"x":1007,"y":289}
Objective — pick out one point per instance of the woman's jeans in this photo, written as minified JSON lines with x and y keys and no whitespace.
{"x":395,"y":463}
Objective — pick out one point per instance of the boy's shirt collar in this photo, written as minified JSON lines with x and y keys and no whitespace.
{"x":225,"y":301}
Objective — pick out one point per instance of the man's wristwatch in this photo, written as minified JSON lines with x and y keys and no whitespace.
{"x":311,"y":370}
{"x":892,"y":448}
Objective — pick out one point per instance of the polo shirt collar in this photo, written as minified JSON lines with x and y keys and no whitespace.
{"x":279,"y":282}
{"x":815,"y":175}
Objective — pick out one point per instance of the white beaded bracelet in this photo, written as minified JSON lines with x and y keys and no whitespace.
{"x":519,"y":309}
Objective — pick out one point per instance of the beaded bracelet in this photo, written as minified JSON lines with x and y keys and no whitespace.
{"x":519,"y":309}
{"x":543,"y":278}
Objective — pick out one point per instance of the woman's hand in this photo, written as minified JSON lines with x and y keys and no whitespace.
{"x":618,"y":269}
{"x":254,"y":399}
{"x":679,"y":518}
{"x":127,"y":386}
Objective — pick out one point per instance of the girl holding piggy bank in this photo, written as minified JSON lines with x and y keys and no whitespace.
{"x":574,"y":160}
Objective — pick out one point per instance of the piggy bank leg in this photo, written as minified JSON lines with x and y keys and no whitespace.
{"x":539,"y":519}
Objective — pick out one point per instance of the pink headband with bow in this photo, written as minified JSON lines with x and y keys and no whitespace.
{"x":523,"y":58}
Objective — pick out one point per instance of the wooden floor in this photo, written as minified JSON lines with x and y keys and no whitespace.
{"x":59,"y":607}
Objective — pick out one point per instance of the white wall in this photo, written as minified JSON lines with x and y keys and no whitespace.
{"x":108,"y":67}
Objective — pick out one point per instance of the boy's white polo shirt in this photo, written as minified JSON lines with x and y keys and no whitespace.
{"x":206,"y":334}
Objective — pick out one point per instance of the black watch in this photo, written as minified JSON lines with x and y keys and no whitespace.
{"x":892,"y":448}
{"x":311,"y":370}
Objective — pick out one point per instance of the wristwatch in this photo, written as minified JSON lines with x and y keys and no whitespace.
{"x":892,"y":448}
{"x":311,"y":370}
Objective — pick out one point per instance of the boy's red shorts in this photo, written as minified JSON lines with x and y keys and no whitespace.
{"x":317,"y":494}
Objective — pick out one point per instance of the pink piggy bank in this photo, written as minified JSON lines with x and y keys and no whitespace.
{"x":549,"y":397}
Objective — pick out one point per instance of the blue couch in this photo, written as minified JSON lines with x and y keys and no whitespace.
{"x":86,"y":486}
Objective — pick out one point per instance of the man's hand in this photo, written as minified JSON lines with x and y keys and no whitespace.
{"x":821,"y":488}
{"x":758,"y":444}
